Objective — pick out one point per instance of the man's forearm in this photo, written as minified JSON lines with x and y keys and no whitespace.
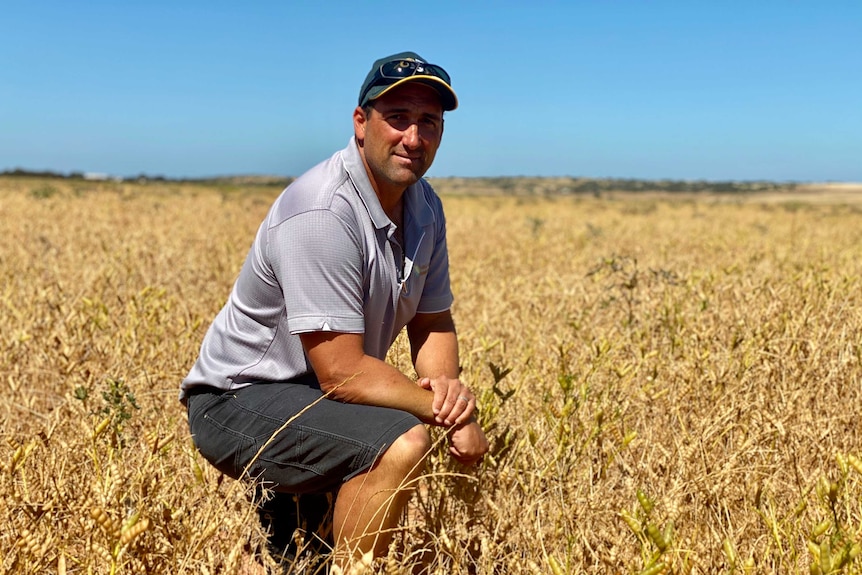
{"x":438,"y":356}
{"x":375,"y":382}
{"x":434,"y":345}
{"x":347,"y":374}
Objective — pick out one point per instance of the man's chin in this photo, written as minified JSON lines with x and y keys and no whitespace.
{"x":407,"y":177}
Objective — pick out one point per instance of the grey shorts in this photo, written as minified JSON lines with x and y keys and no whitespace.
{"x":319,"y":450}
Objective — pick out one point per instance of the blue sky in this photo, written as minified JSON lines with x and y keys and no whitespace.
{"x":684,"y":90}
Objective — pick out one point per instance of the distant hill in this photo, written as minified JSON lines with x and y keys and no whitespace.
{"x":241,"y":180}
{"x":506,"y":186}
{"x":536,"y":186}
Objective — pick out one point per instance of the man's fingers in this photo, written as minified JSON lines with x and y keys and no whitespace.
{"x":462,"y":405}
{"x":456,"y":400}
{"x":441,"y":391}
{"x":469,"y":404}
{"x":453,"y":403}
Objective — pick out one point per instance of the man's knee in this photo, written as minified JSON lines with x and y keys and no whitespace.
{"x":412,"y":446}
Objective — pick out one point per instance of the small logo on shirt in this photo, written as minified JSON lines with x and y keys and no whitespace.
{"x":417,"y":272}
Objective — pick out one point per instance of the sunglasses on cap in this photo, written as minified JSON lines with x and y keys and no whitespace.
{"x":398,"y":69}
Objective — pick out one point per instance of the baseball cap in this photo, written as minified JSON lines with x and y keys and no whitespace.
{"x":397,"y":69}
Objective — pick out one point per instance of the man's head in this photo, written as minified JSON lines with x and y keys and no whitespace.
{"x":399,"y":121}
{"x":398,"y":69}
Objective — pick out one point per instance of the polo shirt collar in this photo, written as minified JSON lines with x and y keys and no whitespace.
{"x":356,"y":171}
{"x":414,"y":196}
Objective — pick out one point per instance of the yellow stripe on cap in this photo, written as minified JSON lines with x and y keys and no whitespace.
{"x":427,"y":79}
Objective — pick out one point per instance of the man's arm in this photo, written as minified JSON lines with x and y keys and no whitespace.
{"x":434,"y":345}
{"x":349,"y":375}
{"x":434,"y":348}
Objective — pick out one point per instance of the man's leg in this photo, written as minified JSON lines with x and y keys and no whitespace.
{"x":369,"y":505}
{"x":281,"y":514}
{"x":329,"y":446}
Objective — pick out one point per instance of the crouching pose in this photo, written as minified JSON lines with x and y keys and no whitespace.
{"x":291,"y":386}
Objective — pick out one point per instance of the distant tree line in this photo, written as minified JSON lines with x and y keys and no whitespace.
{"x":244,"y":180}
{"x":42,"y":174}
{"x":507,"y":184}
{"x":676,"y":186}
{"x":563,"y":186}
{"x":20,"y":172}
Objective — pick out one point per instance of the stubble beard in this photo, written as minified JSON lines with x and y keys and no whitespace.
{"x":399,"y":175}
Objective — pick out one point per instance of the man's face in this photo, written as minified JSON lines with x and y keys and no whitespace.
{"x":399,"y":138}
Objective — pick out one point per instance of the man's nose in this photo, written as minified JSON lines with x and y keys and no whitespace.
{"x":411,"y":136}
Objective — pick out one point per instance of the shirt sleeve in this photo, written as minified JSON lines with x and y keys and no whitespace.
{"x":317,"y":260}
{"x":437,"y":291}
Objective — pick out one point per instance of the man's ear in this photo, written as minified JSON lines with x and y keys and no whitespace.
{"x":360,"y":121}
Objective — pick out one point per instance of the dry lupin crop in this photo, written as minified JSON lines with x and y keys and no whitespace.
{"x":669,"y":385}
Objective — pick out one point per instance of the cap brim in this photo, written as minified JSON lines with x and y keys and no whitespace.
{"x":447,"y":95}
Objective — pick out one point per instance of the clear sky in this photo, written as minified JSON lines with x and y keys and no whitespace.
{"x":740,"y":90}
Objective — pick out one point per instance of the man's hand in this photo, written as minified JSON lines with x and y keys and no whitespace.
{"x":453,"y":402}
{"x":467,"y":443}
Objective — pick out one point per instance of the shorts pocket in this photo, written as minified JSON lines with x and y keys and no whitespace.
{"x":224,"y":448}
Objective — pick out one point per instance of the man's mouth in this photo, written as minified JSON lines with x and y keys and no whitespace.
{"x":407,"y":158}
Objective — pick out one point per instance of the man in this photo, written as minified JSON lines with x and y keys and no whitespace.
{"x":291,"y":386}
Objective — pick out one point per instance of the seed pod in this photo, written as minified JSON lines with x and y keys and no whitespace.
{"x":102,"y":553}
{"x":656,"y":537}
{"x":198,"y":472}
{"x":826,"y":555}
{"x":555,"y":566}
{"x":101,"y":427}
{"x":839,"y":559}
{"x":821,"y":487}
{"x":110,"y":526}
{"x":633,"y":523}
{"x":129,"y":534}
{"x":820,"y":529}
{"x":490,"y":503}
{"x":814,"y":549}
{"x":667,"y":533}
{"x":646,"y":502}
{"x":28,"y":542}
{"x":842,"y":463}
{"x":444,"y":538}
{"x":17,"y":455}
{"x":209,"y":531}
{"x":729,"y":552}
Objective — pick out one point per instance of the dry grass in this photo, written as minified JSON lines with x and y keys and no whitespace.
{"x":669,"y":385}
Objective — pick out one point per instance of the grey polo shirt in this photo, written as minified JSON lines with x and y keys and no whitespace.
{"x":326,"y":259}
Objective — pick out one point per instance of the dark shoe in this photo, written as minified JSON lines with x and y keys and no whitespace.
{"x":300,"y":530}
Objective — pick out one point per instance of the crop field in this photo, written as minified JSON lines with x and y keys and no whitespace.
{"x":670,"y":384}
